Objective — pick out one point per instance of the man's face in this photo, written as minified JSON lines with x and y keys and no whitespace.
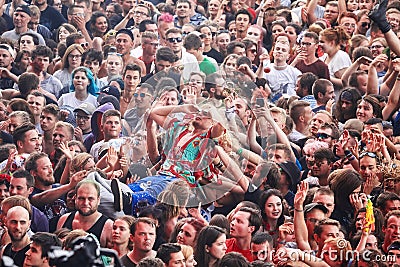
{"x":150,"y":45}
{"x":33,"y":257}
{"x":219,"y":88}
{"x":277,"y":156}
{"x":124,"y":43}
{"x":326,"y":200}
{"x":34,"y":23}
{"x":18,"y":224}
{"x":144,"y":238}
{"x":112,"y":127}
{"x":349,"y":24}
{"x":171,"y":98}
{"x":182,"y":10}
{"x":163,"y":27}
{"x":309,"y":45}
{"x":31,"y":142}
{"x":327,"y":232}
{"x":312,"y":218}
{"x":26,"y":43}
{"x":152,"y":28}
{"x":281,"y":52}
{"x":394,"y":256}
{"x":174,"y":41}
{"x":140,"y":14}
{"x":83,"y":120}
{"x":367,"y":167}
{"x":77,"y":11}
{"x":325,"y":135}
{"x":242,"y":23}
{"x":391,"y":205}
{"x":93,"y":65}
{"x":19,"y":187}
{"x":44,"y":172}
{"x":127,"y":5}
{"x":142,"y":98}
{"x":163,"y":65}
{"x":321,"y":168}
{"x":308,"y":114}
{"x":5,"y":58}
{"x":21,"y":19}
{"x":240,"y":51}
{"x":4,"y":192}
{"x":260,"y":251}
{"x":223,"y":40}
{"x":365,"y":4}
{"x":114,"y":65}
{"x":60,"y":135}
{"x":241,"y":108}
{"x":331,"y":13}
{"x":40,"y":63}
{"x":363,"y":24}
{"x":394,"y":20}
{"x":36,"y":104}
{"x":330,"y":94}
{"x":392,"y":229}
{"x":87,"y":200}
{"x":47,"y":121}
{"x":131,"y":79}
{"x":177,"y":260}
{"x":240,"y":225}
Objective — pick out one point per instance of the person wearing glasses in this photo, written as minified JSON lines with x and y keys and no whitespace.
{"x":306,"y":61}
{"x":71,"y":60}
{"x":321,"y":167}
{"x":83,"y":115}
{"x":328,"y":133}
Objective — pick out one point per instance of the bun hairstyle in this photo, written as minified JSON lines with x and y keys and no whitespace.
{"x":337,"y":34}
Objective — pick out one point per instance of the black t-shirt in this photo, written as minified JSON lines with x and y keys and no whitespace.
{"x":51,"y":18}
{"x":7,"y":83}
{"x":126,"y":261}
{"x":17,"y":256}
{"x":215,"y":55}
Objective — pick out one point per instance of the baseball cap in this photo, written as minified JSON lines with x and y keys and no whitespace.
{"x":126,"y":31}
{"x":395,"y":245}
{"x":86,"y":107}
{"x":109,"y":90}
{"x":311,"y":206}
{"x":9,"y":49}
{"x":23,"y":8}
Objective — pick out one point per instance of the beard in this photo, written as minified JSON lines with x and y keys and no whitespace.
{"x":18,"y":236}
{"x":87,"y":213}
{"x":45,"y":182}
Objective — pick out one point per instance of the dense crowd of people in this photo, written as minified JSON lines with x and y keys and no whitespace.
{"x":194,"y":133}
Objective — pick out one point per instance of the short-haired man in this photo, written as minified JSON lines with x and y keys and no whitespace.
{"x":124,"y":44}
{"x":185,"y":13}
{"x":194,"y":46}
{"x":111,"y":125}
{"x":131,"y":77}
{"x":388,"y":201}
{"x":87,"y":217}
{"x":17,"y":118}
{"x":9,"y":75}
{"x":34,"y":24}
{"x":48,"y":120}
{"x":322,"y":167}
{"x":18,"y":221}
{"x":331,"y":12}
{"x":174,"y":40}
{"x":243,"y":20}
{"x":114,"y":66}
{"x":328,"y":133}
{"x":223,"y":39}
{"x":83,"y":116}
{"x":301,"y":114}
{"x":262,"y":247}
{"x":171,"y":255}
{"x":41,"y":58}
{"x":149,"y":45}
{"x":36,"y":101}
{"x":21,"y":18}
{"x":143,"y":236}
{"x":21,"y":184}
{"x":26,"y":139}
{"x":245,"y":223}
{"x":391,"y":226}
{"x":304,"y":88}
{"x":37,"y":255}
{"x":348,"y":21}
{"x":326,"y":197}
{"x":63,"y":133}
{"x":323,"y":92}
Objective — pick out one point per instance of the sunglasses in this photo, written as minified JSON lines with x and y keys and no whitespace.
{"x":174,"y":40}
{"x":369,"y":154}
{"x":142,"y":95}
{"x":365,"y":24}
{"x":85,"y":44}
{"x":324,"y":136}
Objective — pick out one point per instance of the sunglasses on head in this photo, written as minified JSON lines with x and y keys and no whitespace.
{"x":369,"y":154}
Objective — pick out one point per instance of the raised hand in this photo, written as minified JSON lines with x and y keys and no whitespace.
{"x":68,"y":152}
{"x":112,"y":157}
{"x":300,"y":197}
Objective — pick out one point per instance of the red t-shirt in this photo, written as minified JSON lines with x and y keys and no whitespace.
{"x":233,"y":247}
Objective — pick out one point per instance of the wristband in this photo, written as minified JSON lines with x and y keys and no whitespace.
{"x":298,"y":210}
{"x":239,"y":151}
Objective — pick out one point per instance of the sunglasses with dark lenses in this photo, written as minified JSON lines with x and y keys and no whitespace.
{"x":174,"y":40}
{"x":324,"y":136}
{"x":365,"y":24}
{"x":142,"y":95}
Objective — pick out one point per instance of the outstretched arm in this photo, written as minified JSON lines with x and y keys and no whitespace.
{"x":300,"y":228}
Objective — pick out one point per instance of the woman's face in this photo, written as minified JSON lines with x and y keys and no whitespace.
{"x":196,"y":81}
{"x":364,"y":111}
{"x":292,"y":34}
{"x":377,"y":48}
{"x":89,"y":165}
{"x":276,"y":29}
{"x":208,"y":36}
{"x":101,"y":25}
{"x":120,"y":232}
{"x":63,"y":34}
{"x":273,"y":207}
{"x":222,"y":21}
{"x":218,"y":248}
{"x":213,"y":7}
{"x":80,"y":81}
{"x":26,"y":43}
{"x":74,"y":59}
{"x":352,"y":5}
{"x":186,"y":235}
{"x":325,"y":44}
{"x":230,"y":65}
{"x":190,"y":262}
{"x":251,"y":53}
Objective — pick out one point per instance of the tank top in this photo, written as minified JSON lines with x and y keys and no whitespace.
{"x":17,"y":256}
{"x":96,"y":228}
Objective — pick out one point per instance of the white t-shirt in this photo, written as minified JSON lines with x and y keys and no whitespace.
{"x":340,"y":60}
{"x":69,"y":99}
{"x":282,"y":81}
